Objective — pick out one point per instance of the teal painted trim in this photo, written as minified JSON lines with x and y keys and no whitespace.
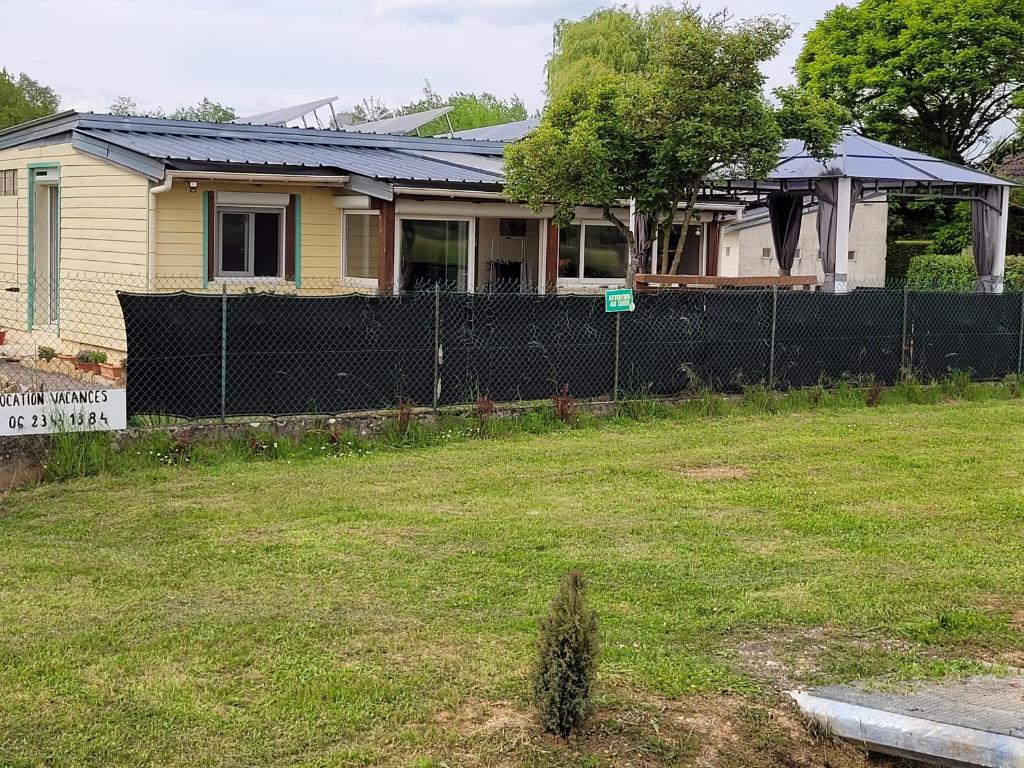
{"x":298,"y":241}
{"x":206,"y":240}
{"x":30,"y":310}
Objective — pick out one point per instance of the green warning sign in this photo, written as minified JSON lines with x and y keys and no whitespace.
{"x":619,"y":300}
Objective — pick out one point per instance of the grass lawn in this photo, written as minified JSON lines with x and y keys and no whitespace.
{"x":382,"y":609}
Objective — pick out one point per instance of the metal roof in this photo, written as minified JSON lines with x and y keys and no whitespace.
{"x":874,"y":162}
{"x":148,"y":145}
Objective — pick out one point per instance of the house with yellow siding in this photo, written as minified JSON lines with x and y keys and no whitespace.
{"x":93,"y":204}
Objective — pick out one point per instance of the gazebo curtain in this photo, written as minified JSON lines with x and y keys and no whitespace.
{"x":827,"y":191}
{"x":986,"y":221}
{"x":785,"y":212}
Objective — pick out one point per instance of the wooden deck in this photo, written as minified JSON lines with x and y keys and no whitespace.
{"x":648,"y":282}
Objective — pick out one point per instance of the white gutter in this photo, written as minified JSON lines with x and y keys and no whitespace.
{"x":912,"y":737}
{"x":157,"y":189}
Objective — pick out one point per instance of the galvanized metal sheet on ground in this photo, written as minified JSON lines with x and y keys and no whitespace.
{"x":985,"y":703}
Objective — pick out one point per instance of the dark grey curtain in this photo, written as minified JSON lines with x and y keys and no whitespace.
{"x":643,"y":227}
{"x":827,"y":191}
{"x":986,"y":222}
{"x":785,"y":212}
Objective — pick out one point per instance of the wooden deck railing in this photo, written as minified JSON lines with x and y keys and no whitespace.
{"x":647,"y":282}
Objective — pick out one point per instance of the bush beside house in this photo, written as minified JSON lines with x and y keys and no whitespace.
{"x":898,"y":257}
{"x":942,"y":272}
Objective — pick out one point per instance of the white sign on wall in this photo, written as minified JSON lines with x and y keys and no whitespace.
{"x":79,"y":410}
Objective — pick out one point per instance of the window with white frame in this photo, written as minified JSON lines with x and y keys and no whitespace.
{"x":766,"y":253}
{"x":851,"y":255}
{"x":592,"y":252}
{"x":361,"y":244}
{"x":250,"y":242}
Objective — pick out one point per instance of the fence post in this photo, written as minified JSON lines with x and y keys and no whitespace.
{"x":223,"y":351}
{"x":615,"y":390}
{"x":905,"y":348}
{"x":771,"y":347}
{"x":1020,"y":336}
{"x":437,"y":344}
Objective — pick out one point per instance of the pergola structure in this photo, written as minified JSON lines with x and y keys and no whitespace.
{"x":862,"y":169}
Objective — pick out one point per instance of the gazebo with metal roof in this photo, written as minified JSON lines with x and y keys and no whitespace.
{"x":861,"y":169}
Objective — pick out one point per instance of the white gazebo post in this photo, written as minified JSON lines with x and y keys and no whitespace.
{"x":843,"y":211}
{"x":999,"y":266}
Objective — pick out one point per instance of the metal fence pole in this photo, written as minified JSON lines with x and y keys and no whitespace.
{"x":223,"y":351}
{"x":615,"y":392}
{"x":1020,"y":336}
{"x":771,"y":348}
{"x":437,"y":344}
{"x":905,"y":348}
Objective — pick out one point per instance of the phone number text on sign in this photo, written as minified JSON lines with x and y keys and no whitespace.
{"x":80,"y":410}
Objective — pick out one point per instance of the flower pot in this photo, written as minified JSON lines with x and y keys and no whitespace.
{"x":66,"y":358}
{"x":111,"y":371}
{"x":87,"y":367}
{"x":3,"y":337}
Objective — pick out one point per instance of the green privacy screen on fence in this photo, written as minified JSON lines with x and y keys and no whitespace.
{"x":200,"y":356}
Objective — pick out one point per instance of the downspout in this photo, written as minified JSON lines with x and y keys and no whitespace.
{"x":155,"y":190}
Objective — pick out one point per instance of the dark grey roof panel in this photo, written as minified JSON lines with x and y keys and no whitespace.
{"x":374,"y":162}
{"x":863,"y":158}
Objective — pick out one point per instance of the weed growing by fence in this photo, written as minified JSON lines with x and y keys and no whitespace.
{"x":80,"y":454}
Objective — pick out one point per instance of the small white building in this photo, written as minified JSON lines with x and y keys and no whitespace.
{"x":746,"y":248}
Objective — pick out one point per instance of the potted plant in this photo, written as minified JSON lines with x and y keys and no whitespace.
{"x":111,"y":371}
{"x":89,"y":360}
{"x":46,"y":354}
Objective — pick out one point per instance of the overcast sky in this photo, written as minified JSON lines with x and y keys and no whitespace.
{"x":256,"y":55}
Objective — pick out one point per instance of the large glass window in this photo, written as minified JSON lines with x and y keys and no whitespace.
{"x":250,"y":243}
{"x":434,"y":252}
{"x":362,"y":239}
{"x":592,"y":251}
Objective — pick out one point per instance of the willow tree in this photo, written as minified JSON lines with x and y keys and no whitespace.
{"x":654,"y":126}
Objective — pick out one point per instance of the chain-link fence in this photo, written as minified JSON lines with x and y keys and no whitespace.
{"x":198,"y":350}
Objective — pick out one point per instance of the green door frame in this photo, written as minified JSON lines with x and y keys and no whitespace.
{"x":31,"y":308}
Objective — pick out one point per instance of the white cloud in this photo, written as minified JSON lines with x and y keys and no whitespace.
{"x":261,"y":54}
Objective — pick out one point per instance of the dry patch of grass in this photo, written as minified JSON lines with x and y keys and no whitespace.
{"x":716,"y":473}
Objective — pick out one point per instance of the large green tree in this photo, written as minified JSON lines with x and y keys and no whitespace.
{"x":23,"y":99}
{"x":469,"y":110}
{"x":205,"y":111}
{"x":647,"y":106}
{"x":934,"y":75}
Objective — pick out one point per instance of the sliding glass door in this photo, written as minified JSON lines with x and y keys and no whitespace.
{"x":435,"y":251}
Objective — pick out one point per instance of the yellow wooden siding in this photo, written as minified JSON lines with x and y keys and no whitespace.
{"x":179,"y":233}
{"x":103,"y":247}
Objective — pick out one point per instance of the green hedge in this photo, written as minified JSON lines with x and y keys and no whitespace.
{"x":937,"y":272}
{"x":898,"y":256}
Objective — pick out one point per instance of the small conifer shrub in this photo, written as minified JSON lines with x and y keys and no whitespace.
{"x":566,"y":666}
